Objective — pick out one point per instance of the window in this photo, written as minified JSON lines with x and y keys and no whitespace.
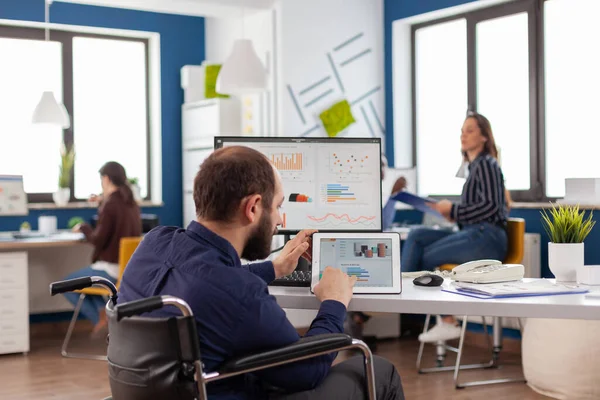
{"x":572,"y":81}
{"x":441,"y":61}
{"x":504,"y":78}
{"x":109,"y":75}
{"x":102,"y":81}
{"x":503,"y":92}
{"x":24,"y":149}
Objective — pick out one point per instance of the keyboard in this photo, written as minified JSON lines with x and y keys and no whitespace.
{"x":296,"y":279}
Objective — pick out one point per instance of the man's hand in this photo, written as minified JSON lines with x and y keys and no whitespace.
{"x":444,"y":207}
{"x":299,"y":246}
{"x":335,"y":285}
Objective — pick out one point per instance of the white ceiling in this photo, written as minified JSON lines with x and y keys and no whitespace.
{"x":205,"y":8}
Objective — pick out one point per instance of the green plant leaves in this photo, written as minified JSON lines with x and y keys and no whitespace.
{"x":566,"y":224}
{"x":67,"y":159}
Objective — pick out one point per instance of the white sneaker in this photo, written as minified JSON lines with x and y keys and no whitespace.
{"x":440,"y":332}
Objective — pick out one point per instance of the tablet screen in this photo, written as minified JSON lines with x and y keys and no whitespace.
{"x":370,"y":260}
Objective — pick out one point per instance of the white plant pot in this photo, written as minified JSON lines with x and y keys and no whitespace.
{"x":62,"y":196}
{"x":588,"y":274}
{"x":564,"y":259}
{"x":137,"y":192}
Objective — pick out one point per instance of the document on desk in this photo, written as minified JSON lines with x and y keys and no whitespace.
{"x":418,"y":203}
{"x":513,"y":289}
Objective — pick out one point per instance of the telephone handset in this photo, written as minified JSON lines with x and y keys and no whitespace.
{"x":488,"y":271}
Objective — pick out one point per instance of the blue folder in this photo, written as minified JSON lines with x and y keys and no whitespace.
{"x":468,"y":293}
{"x":418,"y":203}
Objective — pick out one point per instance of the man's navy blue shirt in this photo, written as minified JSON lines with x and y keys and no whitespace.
{"x":234,"y":312}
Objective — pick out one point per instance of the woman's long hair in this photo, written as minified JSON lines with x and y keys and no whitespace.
{"x":116,"y":174}
{"x":490,"y":145}
{"x":486,"y":131}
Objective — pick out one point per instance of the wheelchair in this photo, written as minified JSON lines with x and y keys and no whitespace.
{"x":159,"y":358}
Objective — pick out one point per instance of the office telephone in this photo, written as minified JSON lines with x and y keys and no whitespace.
{"x":487,"y":271}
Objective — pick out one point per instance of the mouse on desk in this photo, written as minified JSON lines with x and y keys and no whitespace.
{"x":428,"y":280}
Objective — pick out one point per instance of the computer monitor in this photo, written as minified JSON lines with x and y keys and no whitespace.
{"x":330,"y":184}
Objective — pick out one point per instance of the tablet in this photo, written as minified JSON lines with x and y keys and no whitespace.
{"x":374,"y":258}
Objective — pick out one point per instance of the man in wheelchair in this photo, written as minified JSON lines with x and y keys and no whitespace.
{"x":238,"y":196}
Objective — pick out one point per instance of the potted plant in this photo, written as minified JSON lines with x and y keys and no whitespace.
{"x":67,"y":159}
{"x":135,"y":188}
{"x":567,"y":228}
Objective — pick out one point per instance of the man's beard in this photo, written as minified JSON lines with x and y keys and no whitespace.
{"x":258,"y":246}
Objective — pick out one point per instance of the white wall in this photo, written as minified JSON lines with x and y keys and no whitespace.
{"x":259,"y":27}
{"x":309,"y":33}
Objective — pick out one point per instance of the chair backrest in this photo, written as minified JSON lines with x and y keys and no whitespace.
{"x":516,"y":241}
{"x":127,"y":247}
{"x":151,"y":358}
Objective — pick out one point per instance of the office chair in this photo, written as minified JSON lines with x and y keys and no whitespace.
{"x":159,"y":358}
{"x":514,"y":255}
{"x":127,"y":246}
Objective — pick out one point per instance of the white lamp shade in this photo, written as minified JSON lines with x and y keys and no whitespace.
{"x":49,"y":111}
{"x":242,"y":72}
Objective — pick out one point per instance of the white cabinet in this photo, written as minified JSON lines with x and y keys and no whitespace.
{"x":201,"y":122}
{"x":14,"y":307}
{"x":205,"y":119}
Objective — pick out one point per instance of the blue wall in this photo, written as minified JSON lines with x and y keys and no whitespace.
{"x":181,"y":43}
{"x":398,"y":9}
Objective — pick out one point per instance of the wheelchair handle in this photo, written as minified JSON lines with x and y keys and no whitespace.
{"x":70,"y":285}
{"x":137,"y":307}
{"x":82,"y":283}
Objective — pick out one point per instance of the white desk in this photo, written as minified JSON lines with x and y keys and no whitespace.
{"x":425,"y":300}
{"x":58,"y":239}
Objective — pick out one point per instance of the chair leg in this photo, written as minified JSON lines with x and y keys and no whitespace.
{"x":65,"y":344}
{"x":497,"y":332}
{"x":441,"y":349}
{"x":422,"y":345}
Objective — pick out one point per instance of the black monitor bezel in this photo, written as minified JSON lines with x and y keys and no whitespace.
{"x":218,"y":143}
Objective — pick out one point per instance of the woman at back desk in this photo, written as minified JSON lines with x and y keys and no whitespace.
{"x":481,"y":215}
{"x":118,"y":217}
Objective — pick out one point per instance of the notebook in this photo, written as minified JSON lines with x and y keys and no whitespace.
{"x":513,"y":289}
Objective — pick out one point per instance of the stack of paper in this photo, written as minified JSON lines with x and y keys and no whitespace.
{"x":513,"y":289}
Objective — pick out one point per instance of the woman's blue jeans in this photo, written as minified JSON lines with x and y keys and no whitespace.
{"x":92,"y":305}
{"x":426,"y":249}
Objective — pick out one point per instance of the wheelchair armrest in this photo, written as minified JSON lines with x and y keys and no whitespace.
{"x":302,"y":348}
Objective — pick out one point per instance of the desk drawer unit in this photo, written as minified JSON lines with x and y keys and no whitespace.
{"x":14,"y":308}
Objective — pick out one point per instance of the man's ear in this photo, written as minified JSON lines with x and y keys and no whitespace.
{"x":252,"y":206}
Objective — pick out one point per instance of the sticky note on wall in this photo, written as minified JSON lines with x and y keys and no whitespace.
{"x":210,"y":81}
{"x":337,"y":118}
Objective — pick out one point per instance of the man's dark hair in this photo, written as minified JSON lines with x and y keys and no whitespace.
{"x":229,"y":175}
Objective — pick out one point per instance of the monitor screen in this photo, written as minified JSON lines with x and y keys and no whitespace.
{"x":330,"y":184}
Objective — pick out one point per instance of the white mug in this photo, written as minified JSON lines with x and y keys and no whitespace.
{"x":47,"y":224}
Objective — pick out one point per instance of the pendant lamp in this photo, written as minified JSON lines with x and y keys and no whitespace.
{"x":48,"y":110}
{"x":242,"y":72}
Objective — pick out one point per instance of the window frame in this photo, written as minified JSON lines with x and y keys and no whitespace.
{"x":534,"y":10}
{"x":65,"y":37}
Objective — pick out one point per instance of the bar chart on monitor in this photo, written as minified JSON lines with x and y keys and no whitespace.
{"x":292,"y":164}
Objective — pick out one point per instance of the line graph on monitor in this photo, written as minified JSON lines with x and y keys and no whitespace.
{"x":334,"y":221}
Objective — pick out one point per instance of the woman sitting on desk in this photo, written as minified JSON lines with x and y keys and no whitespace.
{"x":118,"y":217}
{"x":481,"y":215}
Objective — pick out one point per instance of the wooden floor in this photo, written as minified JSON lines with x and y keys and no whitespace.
{"x":44,"y":374}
